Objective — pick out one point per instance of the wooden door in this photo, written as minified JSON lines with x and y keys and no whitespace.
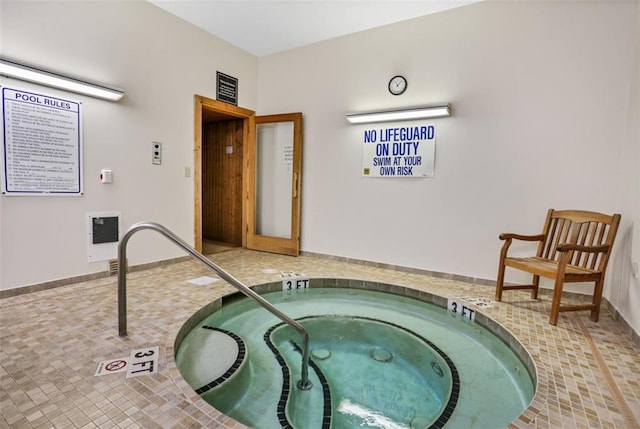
{"x":273,"y":172}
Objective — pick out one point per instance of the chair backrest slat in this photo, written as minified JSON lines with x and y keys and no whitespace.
{"x":562,"y":237}
{"x":545,"y":248}
{"x":580,"y":238}
{"x":590,"y":258}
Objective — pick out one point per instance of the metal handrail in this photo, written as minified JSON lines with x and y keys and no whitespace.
{"x":304,"y":383}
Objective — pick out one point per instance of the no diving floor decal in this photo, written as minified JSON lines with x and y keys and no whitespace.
{"x":140,"y":362}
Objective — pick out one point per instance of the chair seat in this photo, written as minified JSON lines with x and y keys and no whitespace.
{"x":549,"y":269}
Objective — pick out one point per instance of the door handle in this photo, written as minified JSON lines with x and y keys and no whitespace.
{"x":295,"y":185}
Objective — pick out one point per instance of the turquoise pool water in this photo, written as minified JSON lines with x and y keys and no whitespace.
{"x":359,"y":370}
{"x":386,"y":361}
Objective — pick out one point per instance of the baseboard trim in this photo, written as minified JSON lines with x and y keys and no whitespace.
{"x":635,"y":337}
{"x":39,"y":287}
{"x":403,"y":269}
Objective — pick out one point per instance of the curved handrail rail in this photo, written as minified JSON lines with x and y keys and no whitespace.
{"x":304,"y":383}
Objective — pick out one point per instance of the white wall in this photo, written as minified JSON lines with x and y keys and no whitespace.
{"x":540,"y":96}
{"x":161,"y":62}
{"x":542,"y":118}
{"x":624,"y":292}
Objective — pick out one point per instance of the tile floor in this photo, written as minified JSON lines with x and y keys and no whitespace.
{"x":51,"y":342}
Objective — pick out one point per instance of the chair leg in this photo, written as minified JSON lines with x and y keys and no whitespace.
{"x":500,"y":281}
{"x":597,"y":298}
{"x":501,"y":268}
{"x":535,"y":283}
{"x":555,"y":303}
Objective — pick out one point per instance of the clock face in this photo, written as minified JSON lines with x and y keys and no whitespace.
{"x":397,"y":85}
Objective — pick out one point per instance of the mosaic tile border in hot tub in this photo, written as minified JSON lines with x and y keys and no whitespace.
{"x":237,"y":364}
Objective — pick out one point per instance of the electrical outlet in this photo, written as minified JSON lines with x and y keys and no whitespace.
{"x":156,"y":153}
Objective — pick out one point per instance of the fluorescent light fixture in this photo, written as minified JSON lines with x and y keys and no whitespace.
{"x":28,"y":73}
{"x":399,"y":115}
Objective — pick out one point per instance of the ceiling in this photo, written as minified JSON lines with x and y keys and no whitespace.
{"x":263,"y":27}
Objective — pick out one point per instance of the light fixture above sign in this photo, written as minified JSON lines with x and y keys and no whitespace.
{"x":439,"y":111}
{"x":28,"y":73}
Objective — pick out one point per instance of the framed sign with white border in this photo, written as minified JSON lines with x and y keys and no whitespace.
{"x":41,"y":144}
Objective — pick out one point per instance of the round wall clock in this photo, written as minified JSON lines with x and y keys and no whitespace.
{"x":397,"y":85}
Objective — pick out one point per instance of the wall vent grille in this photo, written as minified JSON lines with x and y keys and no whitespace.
{"x":113,"y":267}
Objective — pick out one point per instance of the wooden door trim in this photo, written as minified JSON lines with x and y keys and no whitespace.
{"x":204,"y":103}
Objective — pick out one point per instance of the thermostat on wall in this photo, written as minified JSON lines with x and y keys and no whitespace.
{"x":106,"y":176}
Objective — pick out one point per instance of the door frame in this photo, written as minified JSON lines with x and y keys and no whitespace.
{"x":223,"y":110}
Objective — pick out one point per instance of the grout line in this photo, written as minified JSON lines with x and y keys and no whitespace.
{"x":625,"y":410}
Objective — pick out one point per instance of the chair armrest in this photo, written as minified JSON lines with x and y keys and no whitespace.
{"x":508,"y":239}
{"x":508,"y":236}
{"x":578,"y":248}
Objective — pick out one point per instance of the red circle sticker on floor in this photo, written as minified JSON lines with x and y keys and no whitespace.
{"x":112,"y":366}
{"x":115,"y":365}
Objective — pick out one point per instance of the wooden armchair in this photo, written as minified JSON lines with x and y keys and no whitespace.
{"x":574,"y":246}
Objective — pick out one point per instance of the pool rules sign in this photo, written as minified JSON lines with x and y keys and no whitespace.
{"x":399,"y":151}
{"x":41,"y":144}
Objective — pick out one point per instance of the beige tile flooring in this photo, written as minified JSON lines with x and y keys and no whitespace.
{"x":51,"y":342}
